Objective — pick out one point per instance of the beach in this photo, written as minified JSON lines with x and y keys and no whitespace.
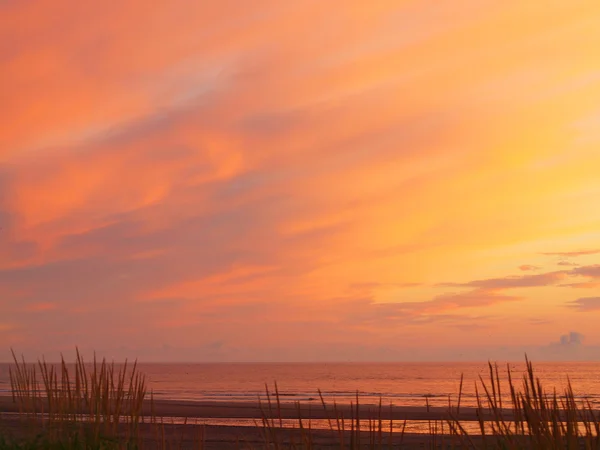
{"x":217,"y":424}
{"x":216,"y":407}
{"x":193,"y":410}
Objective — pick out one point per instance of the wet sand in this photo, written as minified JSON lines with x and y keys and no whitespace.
{"x":217,"y":437}
{"x":250,"y":410}
{"x":233,"y":436}
{"x":192,"y":409}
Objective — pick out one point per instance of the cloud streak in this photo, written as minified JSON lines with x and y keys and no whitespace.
{"x":586,"y":304}
{"x":573,"y":253}
{"x":513,"y":282}
{"x":528,"y":267}
{"x":592,"y":271}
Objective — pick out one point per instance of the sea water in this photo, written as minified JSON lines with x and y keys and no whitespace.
{"x":402,"y":384}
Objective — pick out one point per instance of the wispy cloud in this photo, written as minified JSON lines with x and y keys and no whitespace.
{"x":582,"y":285}
{"x":592,"y":271}
{"x":517,"y":281}
{"x":528,"y":267}
{"x":572,"y":253}
{"x":436,"y":309}
{"x":567,"y":263}
{"x":475,"y":298}
{"x":586,"y":304}
{"x":573,"y":338}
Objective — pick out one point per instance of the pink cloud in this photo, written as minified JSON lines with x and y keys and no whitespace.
{"x":592,"y":271}
{"x":586,"y":304}
{"x":573,"y":253}
{"x":585,"y":285}
{"x":527,"y":267}
{"x":511,"y":282}
{"x":567,"y":263}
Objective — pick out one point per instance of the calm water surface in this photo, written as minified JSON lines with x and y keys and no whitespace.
{"x":399,"y":383}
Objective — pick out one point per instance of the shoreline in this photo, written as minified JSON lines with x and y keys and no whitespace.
{"x":221,"y":437}
{"x":192,"y":410}
{"x":234,"y":436}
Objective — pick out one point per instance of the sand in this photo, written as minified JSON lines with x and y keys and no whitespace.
{"x":231,"y":437}
{"x":207,"y":409}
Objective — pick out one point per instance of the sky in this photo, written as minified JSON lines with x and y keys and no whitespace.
{"x":300,"y":180}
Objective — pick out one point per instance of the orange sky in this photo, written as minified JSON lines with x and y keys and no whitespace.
{"x":308,"y":180}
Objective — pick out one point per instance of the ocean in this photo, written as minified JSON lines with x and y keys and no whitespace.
{"x":402,"y":384}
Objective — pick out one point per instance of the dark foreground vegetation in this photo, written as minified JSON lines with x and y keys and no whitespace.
{"x":103,"y":406}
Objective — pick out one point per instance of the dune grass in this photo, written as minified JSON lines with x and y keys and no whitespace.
{"x":346,"y":432}
{"x":535,"y":418}
{"x":86,"y":406}
{"x":100,"y":406}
